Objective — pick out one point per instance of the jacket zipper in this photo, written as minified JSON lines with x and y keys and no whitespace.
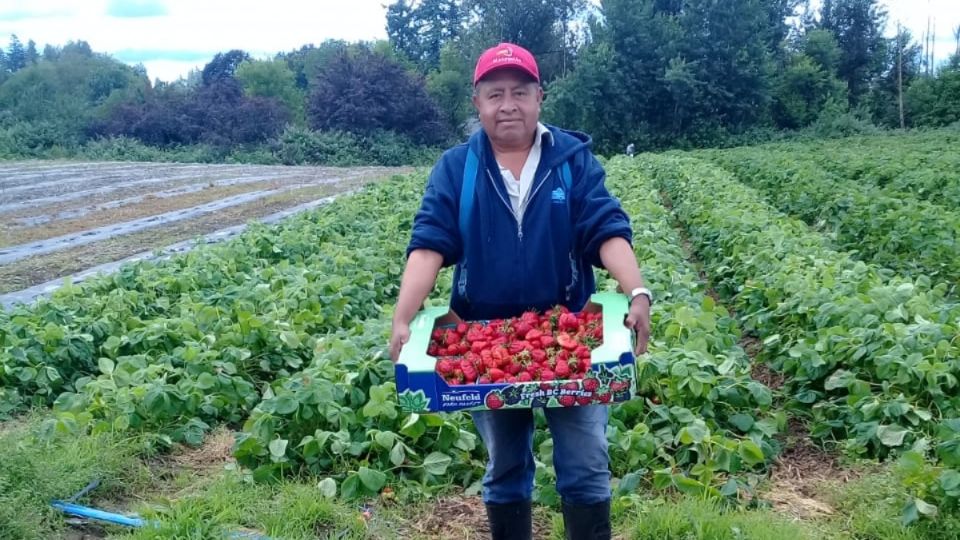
{"x":523,"y":203}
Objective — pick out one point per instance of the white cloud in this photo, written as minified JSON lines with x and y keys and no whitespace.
{"x":260,"y":28}
{"x":943,"y":15}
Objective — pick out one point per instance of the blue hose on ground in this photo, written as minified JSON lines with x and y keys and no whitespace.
{"x":73,"y":509}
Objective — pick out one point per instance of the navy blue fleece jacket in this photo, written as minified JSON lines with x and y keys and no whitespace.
{"x":505,"y":267}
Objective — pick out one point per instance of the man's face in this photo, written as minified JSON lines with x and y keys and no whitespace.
{"x":508,"y":102}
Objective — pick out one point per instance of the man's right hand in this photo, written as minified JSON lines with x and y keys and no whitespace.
{"x":418,"y":279}
{"x":399,"y":337}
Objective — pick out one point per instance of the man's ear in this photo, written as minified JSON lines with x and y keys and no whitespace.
{"x":540,"y":94}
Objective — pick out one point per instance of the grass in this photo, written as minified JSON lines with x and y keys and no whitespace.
{"x":231,"y":504}
{"x":32,"y":473}
{"x":869,"y":509}
{"x":689,"y":518}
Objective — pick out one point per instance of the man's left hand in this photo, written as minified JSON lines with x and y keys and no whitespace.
{"x":638,"y":320}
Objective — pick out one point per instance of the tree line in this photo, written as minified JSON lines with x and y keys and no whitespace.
{"x":658,"y":73}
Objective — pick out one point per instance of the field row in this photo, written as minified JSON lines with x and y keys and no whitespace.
{"x":92,"y":214}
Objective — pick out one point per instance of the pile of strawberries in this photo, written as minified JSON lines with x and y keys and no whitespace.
{"x":532,"y":347}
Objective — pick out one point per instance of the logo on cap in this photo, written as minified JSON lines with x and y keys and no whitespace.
{"x":505,"y":52}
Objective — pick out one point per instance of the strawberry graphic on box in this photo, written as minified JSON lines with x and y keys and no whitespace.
{"x":494,"y":401}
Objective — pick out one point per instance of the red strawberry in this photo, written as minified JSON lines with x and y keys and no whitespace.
{"x":462,"y":328}
{"x":562,"y":371}
{"x":585,"y":400}
{"x":545,"y":386}
{"x":566,"y":341}
{"x":591,"y":384}
{"x":619,"y":386}
{"x":446,"y":366}
{"x":567,"y":401}
{"x":533,"y":336}
{"x":522,"y":328}
{"x":568,"y":321}
{"x":478,"y":346}
{"x":547,"y":341}
{"x":538,"y":355}
{"x":484,"y":379}
{"x":604,"y":397}
{"x":496,"y":375}
{"x":572,"y":386}
{"x":530,"y":317}
{"x":524,"y":377}
{"x":494,"y":400}
{"x":547,"y":375}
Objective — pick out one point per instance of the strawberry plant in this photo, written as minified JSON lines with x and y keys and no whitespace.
{"x":883,"y":225}
{"x":869,"y":354}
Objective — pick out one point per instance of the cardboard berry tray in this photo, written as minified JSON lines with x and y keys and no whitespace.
{"x":611,"y":377}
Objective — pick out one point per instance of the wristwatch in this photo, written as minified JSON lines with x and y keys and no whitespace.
{"x":641,"y":291}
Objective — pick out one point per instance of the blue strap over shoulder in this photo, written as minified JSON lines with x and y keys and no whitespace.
{"x":467,"y":191}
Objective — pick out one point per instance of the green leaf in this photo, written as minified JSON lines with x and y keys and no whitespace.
{"x":950,"y":482}
{"x":278,"y":448}
{"x":106,"y":366}
{"x":328,"y":488}
{"x":285,"y":405}
{"x":840,"y":379}
{"x":629,"y":483}
{"x":436,"y":463}
{"x":385,"y":438}
{"x":694,"y":433}
{"x":398,"y":455}
{"x":926,"y":508}
{"x":730,"y":488}
{"x":687,"y":485}
{"x":892,"y":435}
{"x":371,"y":479}
{"x":351,"y":487}
{"x":206,"y":381}
{"x":743,"y":422}
{"x":750,"y":452}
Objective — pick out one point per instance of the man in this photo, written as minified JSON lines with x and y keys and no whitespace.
{"x":631,"y":149}
{"x":523,"y":212}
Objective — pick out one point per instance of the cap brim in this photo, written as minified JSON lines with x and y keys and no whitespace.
{"x":504,"y":67}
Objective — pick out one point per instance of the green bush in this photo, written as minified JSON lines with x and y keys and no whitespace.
{"x":297,"y":146}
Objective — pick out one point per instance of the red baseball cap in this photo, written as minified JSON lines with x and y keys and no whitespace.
{"x":505,"y":55}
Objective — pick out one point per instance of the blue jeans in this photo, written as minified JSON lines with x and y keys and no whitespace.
{"x":579,"y":453}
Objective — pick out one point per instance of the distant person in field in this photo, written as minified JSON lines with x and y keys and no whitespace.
{"x":631,"y":149}
{"x":526,"y":236}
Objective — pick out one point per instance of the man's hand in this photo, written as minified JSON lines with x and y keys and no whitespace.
{"x":418,"y":279}
{"x":399,"y":337}
{"x":638,"y":320}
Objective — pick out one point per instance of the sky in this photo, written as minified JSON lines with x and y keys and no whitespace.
{"x":171,"y":37}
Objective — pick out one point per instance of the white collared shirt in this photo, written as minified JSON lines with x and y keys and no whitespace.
{"x":519,"y":190}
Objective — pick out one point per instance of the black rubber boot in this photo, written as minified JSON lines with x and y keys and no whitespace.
{"x":510,"y":521}
{"x":587,"y":521}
